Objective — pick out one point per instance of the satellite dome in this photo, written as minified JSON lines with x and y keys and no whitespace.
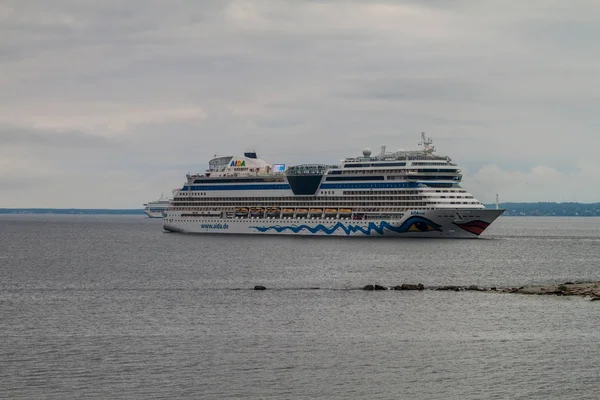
{"x":366,"y":152}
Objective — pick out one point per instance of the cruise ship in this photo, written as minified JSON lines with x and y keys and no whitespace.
{"x":157,"y":209}
{"x":413,"y":193}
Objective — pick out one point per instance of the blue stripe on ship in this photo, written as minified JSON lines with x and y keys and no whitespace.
{"x":237,"y":187}
{"x":287,"y":187}
{"x":348,"y":229}
{"x":369,"y":185}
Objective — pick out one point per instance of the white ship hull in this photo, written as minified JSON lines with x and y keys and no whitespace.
{"x":402,"y":194}
{"x":441,"y":223}
{"x":155,"y":214}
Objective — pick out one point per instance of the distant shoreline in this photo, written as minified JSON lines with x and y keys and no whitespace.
{"x":70,"y":211}
{"x":549,"y":209}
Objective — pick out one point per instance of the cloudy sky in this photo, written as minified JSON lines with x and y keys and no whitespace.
{"x":107,"y":103}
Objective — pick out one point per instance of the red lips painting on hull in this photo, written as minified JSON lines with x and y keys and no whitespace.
{"x":475,"y":227}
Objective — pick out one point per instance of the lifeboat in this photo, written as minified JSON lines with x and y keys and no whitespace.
{"x":301,"y":211}
{"x":241,"y":211}
{"x":345,"y":211}
{"x":288,"y":211}
{"x":316,"y":211}
{"x":257,"y":211}
{"x":273,"y":211}
{"x":331,"y":211}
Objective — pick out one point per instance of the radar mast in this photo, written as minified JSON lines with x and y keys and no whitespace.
{"x":427,"y":143}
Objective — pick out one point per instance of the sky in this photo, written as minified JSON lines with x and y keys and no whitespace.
{"x":108,"y":104}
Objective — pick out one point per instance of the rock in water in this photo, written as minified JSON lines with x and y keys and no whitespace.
{"x":409,"y":286}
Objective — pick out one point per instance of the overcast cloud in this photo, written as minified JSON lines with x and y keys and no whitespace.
{"x":109,"y":103}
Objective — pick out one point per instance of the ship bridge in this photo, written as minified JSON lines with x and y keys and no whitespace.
{"x":308,"y":169}
{"x":305,"y":179}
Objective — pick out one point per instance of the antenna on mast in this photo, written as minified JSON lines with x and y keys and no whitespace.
{"x":497,"y":204}
{"x":426,"y":143}
{"x":382,"y":153}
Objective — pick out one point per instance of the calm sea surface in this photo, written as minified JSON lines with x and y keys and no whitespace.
{"x":113,"y":307}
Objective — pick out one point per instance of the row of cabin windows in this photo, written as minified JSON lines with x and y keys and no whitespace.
{"x":392,"y":171}
{"x":358,"y":222}
{"x":390,"y":178}
{"x":322,"y":198}
{"x":329,"y":192}
{"x":238,"y":180}
{"x":371,"y":208}
{"x":386,"y":205}
{"x":393,"y":164}
{"x":288,"y":200}
{"x":383,"y":164}
{"x":319,"y":204}
{"x":355,"y":209}
{"x":363,"y":196}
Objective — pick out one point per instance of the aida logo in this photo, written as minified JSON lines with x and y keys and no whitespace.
{"x":238,"y":163}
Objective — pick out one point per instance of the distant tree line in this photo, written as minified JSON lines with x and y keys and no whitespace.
{"x":92,"y":211}
{"x":550,"y":209}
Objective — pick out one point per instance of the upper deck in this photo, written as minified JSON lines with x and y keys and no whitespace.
{"x":426,"y":154}
{"x":414,"y":165}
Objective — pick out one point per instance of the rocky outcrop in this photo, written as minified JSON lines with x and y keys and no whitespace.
{"x":587,"y":289}
{"x":375,"y":287}
{"x":409,"y":286}
{"x":455,"y":288}
{"x":404,"y":286}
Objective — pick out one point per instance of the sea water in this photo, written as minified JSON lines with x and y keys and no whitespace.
{"x":113,"y":307}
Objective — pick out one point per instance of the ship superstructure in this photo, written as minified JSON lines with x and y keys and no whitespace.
{"x":157,"y":208}
{"x":404,"y":193}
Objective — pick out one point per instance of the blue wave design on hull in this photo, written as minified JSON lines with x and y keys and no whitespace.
{"x":424,"y":225}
